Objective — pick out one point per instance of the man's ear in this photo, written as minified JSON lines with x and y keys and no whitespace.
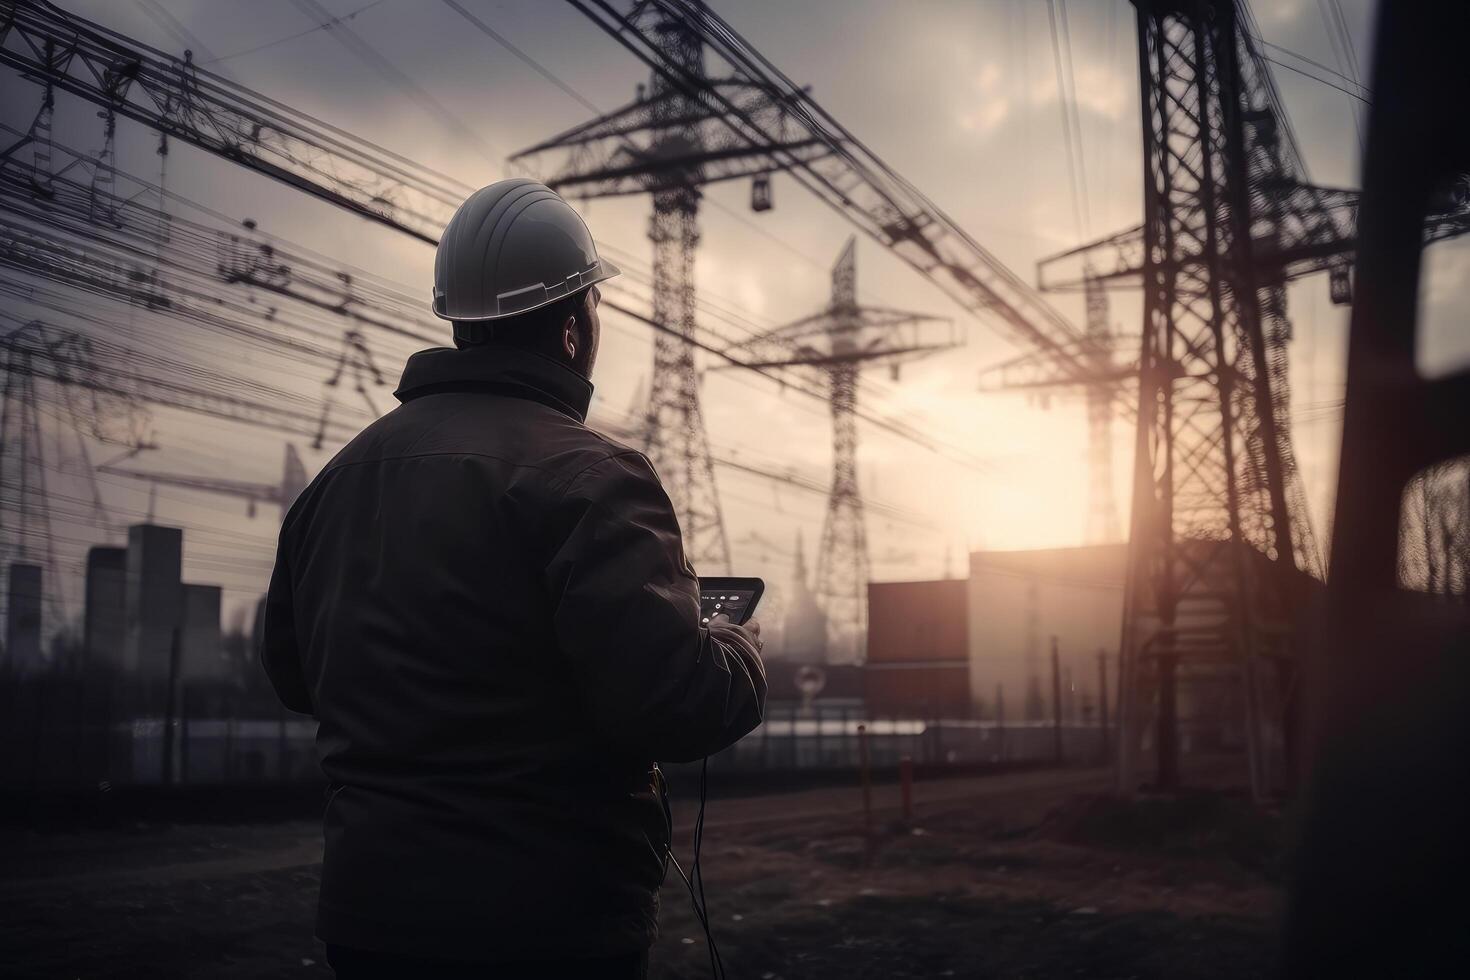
{"x":569,"y":338}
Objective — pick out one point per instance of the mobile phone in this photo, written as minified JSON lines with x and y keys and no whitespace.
{"x":732,"y":597}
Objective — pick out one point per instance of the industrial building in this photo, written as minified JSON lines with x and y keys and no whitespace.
{"x":918,"y":649}
{"x":104,"y":619}
{"x":23,"y":617}
{"x":1020,"y":600}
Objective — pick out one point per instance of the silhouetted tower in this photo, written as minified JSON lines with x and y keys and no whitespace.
{"x":838,"y":342}
{"x":1219,"y":523}
{"x":805,"y":633}
{"x":669,"y":142}
{"x":45,"y":405}
{"x":1220,"y":542}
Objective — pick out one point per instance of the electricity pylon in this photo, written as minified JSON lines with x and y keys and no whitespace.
{"x":669,"y":142}
{"x":839,"y":341}
{"x":1220,"y":543}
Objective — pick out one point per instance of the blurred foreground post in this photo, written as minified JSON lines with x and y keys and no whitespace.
{"x":1383,"y":857}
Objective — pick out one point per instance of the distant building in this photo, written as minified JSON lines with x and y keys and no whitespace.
{"x":805,"y":629}
{"x":154,"y":599}
{"x":918,"y":649}
{"x":1019,"y":600}
{"x":201,"y":655}
{"x":104,"y":616}
{"x":23,"y":618}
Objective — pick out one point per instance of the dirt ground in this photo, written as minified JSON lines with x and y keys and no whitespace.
{"x":1022,"y":875}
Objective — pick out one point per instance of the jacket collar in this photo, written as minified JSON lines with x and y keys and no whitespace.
{"x":502,"y":370}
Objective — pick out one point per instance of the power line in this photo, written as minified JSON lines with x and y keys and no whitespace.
{"x":1315,"y":64}
{"x":172,"y":26}
{"x":291,"y":37}
{"x":1071,"y":124}
{"x":535,"y":65}
{"x":1317,"y":78}
{"x":375,"y":59}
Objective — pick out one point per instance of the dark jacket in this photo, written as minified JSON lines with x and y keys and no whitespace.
{"x":487,"y":607}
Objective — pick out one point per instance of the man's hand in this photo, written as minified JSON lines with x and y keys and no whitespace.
{"x":747,"y":636}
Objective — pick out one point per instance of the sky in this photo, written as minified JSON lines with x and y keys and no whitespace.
{"x":960,"y":96}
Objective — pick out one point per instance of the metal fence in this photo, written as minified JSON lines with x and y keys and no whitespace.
{"x":70,"y":730}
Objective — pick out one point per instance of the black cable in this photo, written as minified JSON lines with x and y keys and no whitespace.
{"x":291,"y":37}
{"x":1317,"y":78}
{"x":717,"y":966}
{"x":694,"y":879}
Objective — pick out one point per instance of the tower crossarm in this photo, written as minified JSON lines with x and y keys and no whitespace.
{"x":826,"y":323}
{"x":669,"y":109}
{"x":1037,"y":371}
{"x":263,"y":492}
{"x":671,"y":140}
{"x":627,"y":171}
{"x":1317,"y":230}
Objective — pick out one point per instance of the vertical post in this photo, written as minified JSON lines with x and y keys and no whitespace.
{"x":906,"y":782}
{"x":1000,"y":719}
{"x":184,"y":735}
{"x":1102,"y":700}
{"x":171,"y":707}
{"x":817,"y":712}
{"x":1168,"y":746}
{"x":866,"y":779}
{"x":1056,"y":700}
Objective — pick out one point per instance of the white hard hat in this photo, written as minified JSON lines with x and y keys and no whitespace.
{"x":513,"y":247}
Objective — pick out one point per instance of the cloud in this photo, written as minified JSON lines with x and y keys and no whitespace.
{"x":990,"y":106}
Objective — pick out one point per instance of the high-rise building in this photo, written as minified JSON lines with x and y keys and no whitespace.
{"x":23,"y":617}
{"x":153,"y":599}
{"x":201,"y":653}
{"x":104,"y":618}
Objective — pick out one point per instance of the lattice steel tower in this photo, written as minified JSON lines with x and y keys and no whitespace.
{"x":1221,"y":551}
{"x":669,"y":142}
{"x":1102,"y":507}
{"x":1218,"y":521}
{"x":838,"y":342}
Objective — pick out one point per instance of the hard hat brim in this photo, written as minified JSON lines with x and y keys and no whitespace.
{"x":534,"y":297}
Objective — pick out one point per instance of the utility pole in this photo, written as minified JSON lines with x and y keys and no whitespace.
{"x":1056,"y":700}
{"x":1102,"y":700}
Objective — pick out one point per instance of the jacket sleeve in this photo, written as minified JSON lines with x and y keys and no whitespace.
{"x":626,"y":605}
{"x":279,"y":654}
